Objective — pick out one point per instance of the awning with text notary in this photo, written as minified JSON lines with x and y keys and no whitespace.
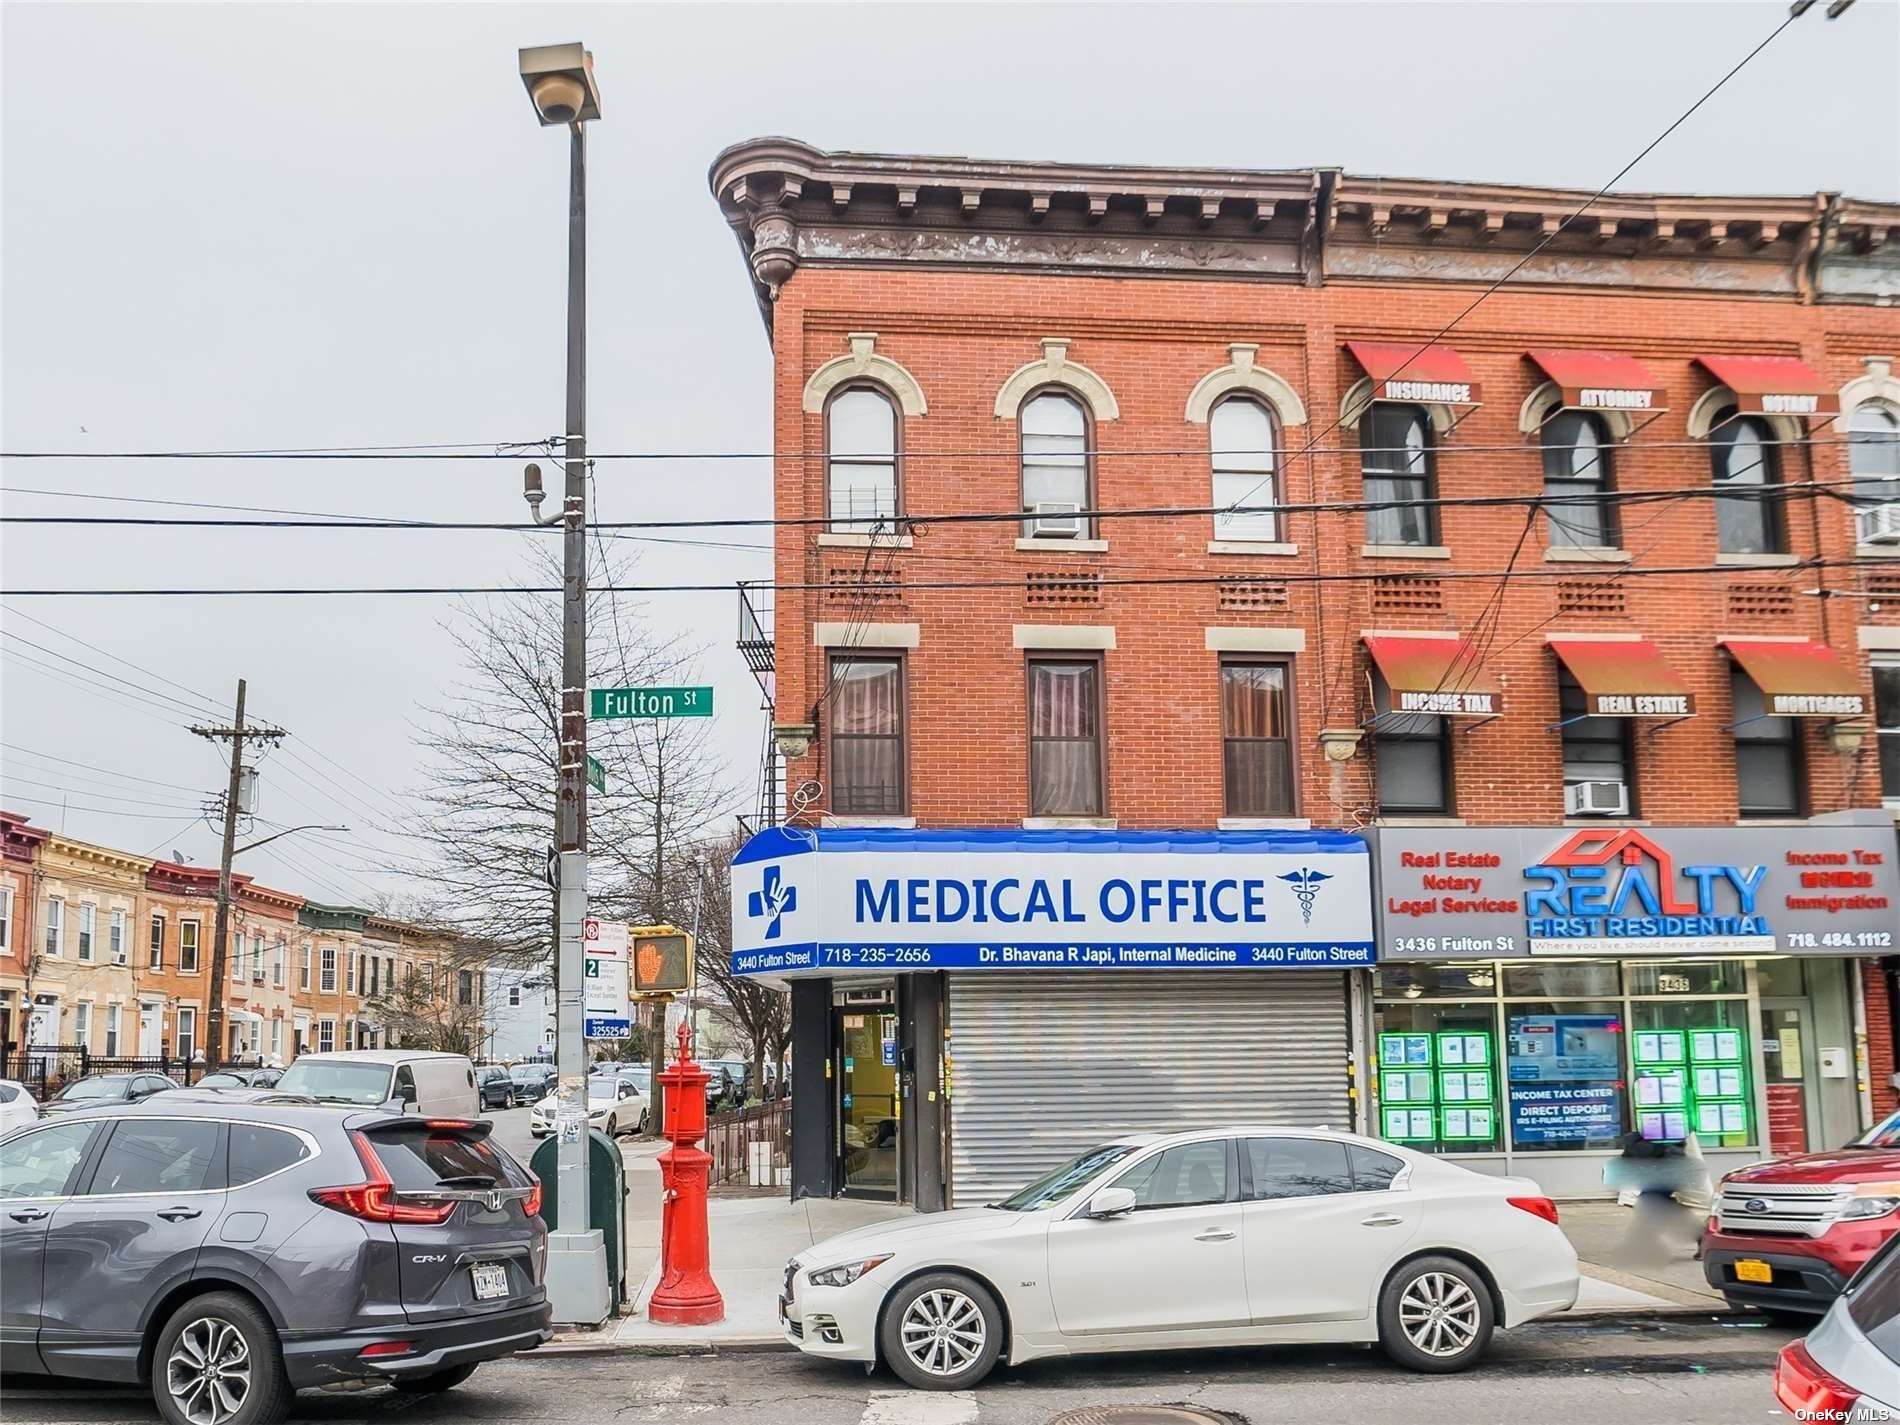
{"x":1799,"y":678}
{"x":1404,"y":371}
{"x":1600,"y":380}
{"x":1624,"y":677}
{"x":1439,"y":674}
{"x":1773,"y":385}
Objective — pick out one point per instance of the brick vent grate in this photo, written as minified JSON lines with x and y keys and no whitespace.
{"x":1257,"y":595}
{"x":1591,"y":596}
{"x":1408,"y":595}
{"x":1069,"y":589}
{"x":863,"y":586}
{"x":1760,"y":601}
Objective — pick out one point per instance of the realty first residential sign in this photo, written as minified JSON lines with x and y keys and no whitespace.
{"x":1451,"y":893}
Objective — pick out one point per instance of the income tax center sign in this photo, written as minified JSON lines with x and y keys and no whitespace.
{"x":827,"y":901}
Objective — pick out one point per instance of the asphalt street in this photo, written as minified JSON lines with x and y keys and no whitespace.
{"x":1686,"y":1371}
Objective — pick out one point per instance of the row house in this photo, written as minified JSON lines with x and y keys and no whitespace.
{"x":327,"y":999}
{"x":266,"y":935}
{"x":19,"y":885}
{"x":174,"y":970}
{"x":1159,"y":589}
{"x":79,"y":971}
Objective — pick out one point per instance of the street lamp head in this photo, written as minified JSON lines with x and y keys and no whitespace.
{"x":560,"y":83}
{"x":531,"y":487}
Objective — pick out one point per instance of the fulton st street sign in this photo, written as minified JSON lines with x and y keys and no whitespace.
{"x":649,"y":702}
{"x":834,"y":899}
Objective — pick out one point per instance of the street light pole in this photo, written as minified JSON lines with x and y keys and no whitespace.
{"x":560,"y":81}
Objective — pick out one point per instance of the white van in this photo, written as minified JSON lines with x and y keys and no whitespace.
{"x":406,"y":1080}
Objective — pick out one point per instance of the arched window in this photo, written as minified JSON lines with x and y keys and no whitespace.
{"x":1577,"y":472}
{"x":1240,"y":436}
{"x":1055,"y":443}
{"x":1873,"y":454}
{"x":1395,"y":460}
{"x":861,"y":458}
{"x":1742,"y":460}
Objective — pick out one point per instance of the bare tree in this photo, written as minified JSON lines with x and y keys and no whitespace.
{"x":428,"y":1012}
{"x":761,"y":1015}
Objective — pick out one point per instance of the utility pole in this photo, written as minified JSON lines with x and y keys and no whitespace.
{"x":237,"y":734}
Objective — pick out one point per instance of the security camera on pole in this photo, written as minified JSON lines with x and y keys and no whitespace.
{"x":560,"y":82}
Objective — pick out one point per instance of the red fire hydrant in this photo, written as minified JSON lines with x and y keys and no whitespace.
{"x":686,"y":1295}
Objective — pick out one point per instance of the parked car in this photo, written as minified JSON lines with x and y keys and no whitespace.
{"x":614,"y":1106}
{"x":241,"y":1079}
{"x":532,"y":1081}
{"x":639,"y":1075}
{"x":1787,"y":1235}
{"x":497,"y":1090}
{"x":16,"y":1106}
{"x":1848,"y":1368}
{"x":727,"y":1086}
{"x":1230,"y":1237}
{"x":434,"y":1085}
{"x":227,"y":1254}
{"x":96,"y":1089}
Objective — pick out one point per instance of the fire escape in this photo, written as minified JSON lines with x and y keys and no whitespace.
{"x":755,"y":646}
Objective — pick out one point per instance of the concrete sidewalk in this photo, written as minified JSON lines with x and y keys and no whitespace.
{"x":753,"y":1237}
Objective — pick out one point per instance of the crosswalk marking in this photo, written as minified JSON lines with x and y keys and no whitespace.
{"x":918,"y":1407}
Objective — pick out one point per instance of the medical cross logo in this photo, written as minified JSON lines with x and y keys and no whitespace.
{"x":1305,"y":883}
{"x":773,"y":898}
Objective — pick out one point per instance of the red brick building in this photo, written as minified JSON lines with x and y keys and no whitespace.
{"x":1338,"y":605}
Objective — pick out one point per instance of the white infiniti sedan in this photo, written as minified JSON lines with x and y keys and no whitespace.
{"x":1225,"y":1237}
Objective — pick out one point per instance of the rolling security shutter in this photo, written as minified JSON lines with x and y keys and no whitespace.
{"x":1043,"y":1066}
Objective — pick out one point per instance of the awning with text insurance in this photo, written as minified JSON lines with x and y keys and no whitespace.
{"x":1624,"y":677}
{"x":1436,"y":673}
{"x":1402,"y":371}
{"x":1799,"y":678}
{"x":1773,"y":385}
{"x":1600,"y":380}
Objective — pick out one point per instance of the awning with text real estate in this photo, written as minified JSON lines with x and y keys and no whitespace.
{"x":1437,"y":674}
{"x":1404,"y":371}
{"x":1624,"y":677}
{"x":1600,"y":380}
{"x":1773,"y":385}
{"x":1799,"y":678}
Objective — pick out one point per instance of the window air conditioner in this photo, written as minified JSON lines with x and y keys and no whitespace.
{"x":1880,"y":524}
{"x":1056,"y":521}
{"x":1596,"y":799}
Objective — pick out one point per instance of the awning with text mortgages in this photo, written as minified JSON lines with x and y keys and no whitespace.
{"x":1799,"y":679}
{"x":1600,"y":380}
{"x":1624,"y":677}
{"x":1773,"y":385}
{"x":1402,"y":371}
{"x":1436,"y":674}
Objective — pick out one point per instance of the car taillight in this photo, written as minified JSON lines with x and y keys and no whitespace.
{"x":531,"y":1204}
{"x":1808,"y":1392}
{"x":375,"y":1199}
{"x":387,"y":1348}
{"x":1536,"y":1206}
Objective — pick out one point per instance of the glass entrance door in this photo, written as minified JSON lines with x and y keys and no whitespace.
{"x":1787,"y":1068}
{"x":868,"y":1113}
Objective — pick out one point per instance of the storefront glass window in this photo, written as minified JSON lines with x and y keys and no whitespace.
{"x":1691,"y":977}
{"x":1438,"y":1074}
{"x":1564,"y":1068}
{"x":1561,"y":979}
{"x":1406,"y":981}
{"x":1780,"y":979}
{"x":1690,"y":1066}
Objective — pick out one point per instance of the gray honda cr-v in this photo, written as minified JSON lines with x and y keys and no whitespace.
{"x":229,"y":1253}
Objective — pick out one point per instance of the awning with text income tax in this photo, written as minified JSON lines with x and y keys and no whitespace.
{"x":1799,"y":678}
{"x":1440,"y":675}
{"x":1402,"y":371}
{"x":1624,"y":677}
{"x":1773,"y":385}
{"x":1600,"y":380}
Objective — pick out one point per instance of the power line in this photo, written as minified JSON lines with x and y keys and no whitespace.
{"x":102,"y":811}
{"x":91,"y":766}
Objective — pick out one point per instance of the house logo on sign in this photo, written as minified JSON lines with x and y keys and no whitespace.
{"x":773,"y":899}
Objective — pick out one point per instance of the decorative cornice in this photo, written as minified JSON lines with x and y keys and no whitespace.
{"x":332,"y":917}
{"x":86,"y":854}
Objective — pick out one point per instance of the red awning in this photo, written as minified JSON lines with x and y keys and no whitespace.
{"x":1438,"y":674}
{"x":1601,"y":380}
{"x":1799,"y":678}
{"x":1773,"y":385}
{"x":1401,"y":371}
{"x":1624,"y":677}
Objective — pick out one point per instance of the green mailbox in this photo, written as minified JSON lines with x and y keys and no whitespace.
{"x":606,"y":1201}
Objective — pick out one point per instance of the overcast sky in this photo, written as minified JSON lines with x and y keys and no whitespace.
{"x":245,"y":226}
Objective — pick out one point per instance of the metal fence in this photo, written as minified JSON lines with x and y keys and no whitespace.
{"x":730,"y":1138}
{"x":44,"y":1069}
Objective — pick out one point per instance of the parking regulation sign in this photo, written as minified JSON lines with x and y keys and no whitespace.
{"x":604,"y":1008}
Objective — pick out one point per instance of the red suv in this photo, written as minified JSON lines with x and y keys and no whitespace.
{"x":1787,"y":1235}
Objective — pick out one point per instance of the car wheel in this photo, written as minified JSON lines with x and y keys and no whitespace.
{"x":435,"y":1382}
{"x":1435,"y":1315}
{"x":217,"y":1362}
{"x":941,"y":1332}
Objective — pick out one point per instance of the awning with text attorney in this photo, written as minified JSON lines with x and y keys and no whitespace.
{"x":1600,"y":380}
{"x":1440,"y":674}
{"x":1624,"y":677}
{"x":1773,"y":385}
{"x":1402,"y":371}
{"x":1799,"y":677}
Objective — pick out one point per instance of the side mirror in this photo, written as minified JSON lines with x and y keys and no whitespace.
{"x":1112,"y":1202}
{"x":406,"y":1096}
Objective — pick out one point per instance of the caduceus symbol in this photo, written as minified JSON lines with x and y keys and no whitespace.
{"x":1305,"y":883}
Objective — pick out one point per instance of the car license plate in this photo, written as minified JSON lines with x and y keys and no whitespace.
{"x":781,"y":1308}
{"x":491,"y":1280}
{"x":1748,"y":1269}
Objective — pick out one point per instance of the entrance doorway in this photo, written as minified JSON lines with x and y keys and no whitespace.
{"x":869,"y":1115}
{"x":1788,"y":1074}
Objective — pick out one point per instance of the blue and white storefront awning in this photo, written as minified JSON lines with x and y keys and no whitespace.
{"x":879,"y":900}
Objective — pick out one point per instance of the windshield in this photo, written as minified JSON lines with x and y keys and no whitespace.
{"x":639,"y":1078}
{"x":1884,"y":1134}
{"x":1057,"y":1184}
{"x":337,"y":1081}
{"x":93,"y":1088}
{"x":527,"y":1073}
{"x":220,"y":1081}
{"x":603,"y":1086}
